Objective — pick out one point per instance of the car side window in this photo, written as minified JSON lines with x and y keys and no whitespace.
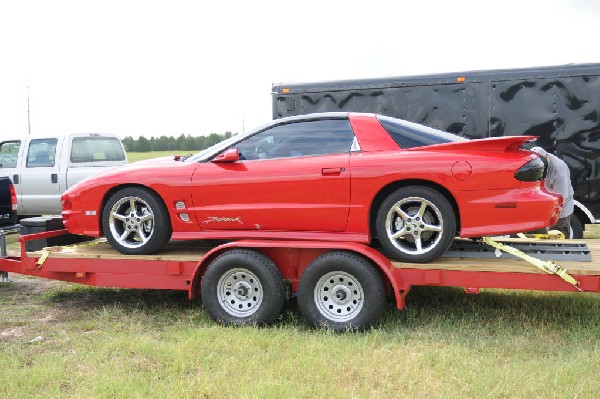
{"x":42,"y":153}
{"x":9,"y":151}
{"x":299,"y":139}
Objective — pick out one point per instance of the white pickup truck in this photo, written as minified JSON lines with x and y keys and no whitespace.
{"x":42,"y":168}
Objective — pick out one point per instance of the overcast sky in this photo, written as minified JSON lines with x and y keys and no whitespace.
{"x":172,"y":67}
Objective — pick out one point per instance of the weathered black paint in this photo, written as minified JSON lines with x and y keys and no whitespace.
{"x":560,"y":104}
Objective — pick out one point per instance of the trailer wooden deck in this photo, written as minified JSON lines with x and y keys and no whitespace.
{"x":193,"y":251}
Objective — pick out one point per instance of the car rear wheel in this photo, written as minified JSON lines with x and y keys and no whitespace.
{"x":242,"y":287}
{"x":415,"y":224}
{"x":136,"y":222}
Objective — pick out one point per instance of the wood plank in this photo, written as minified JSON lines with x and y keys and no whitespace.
{"x":194,"y":250}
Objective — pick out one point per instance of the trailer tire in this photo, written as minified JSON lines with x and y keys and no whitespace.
{"x":139,"y":231}
{"x":577,"y":227}
{"x":341,"y":291}
{"x":415,"y":224}
{"x":243,"y":287}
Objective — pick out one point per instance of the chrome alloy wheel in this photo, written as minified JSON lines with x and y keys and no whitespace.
{"x":339,"y":296}
{"x":239,"y":292}
{"x":414,"y":225}
{"x":131,"y":222}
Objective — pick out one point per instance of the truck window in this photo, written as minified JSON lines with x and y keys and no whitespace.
{"x":96,"y":149}
{"x":9,"y":150}
{"x":42,"y":153}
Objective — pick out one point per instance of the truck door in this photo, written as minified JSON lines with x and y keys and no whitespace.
{"x":9,"y":162}
{"x":39,"y":186}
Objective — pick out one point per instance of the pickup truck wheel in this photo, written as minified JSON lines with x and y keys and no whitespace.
{"x":415,"y":224}
{"x":135,"y":221}
{"x":242,"y":287}
{"x":341,"y":291}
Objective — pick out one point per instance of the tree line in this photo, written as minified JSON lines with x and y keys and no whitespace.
{"x":171,"y":143}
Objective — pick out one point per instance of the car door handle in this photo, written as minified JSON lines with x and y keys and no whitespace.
{"x":54,"y":178}
{"x":15,"y":179}
{"x":332,"y":171}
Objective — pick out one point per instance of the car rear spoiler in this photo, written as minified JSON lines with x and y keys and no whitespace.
{"x":507,"y":143}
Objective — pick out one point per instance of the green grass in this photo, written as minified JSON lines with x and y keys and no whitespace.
{"x":147,"y":343}
{"x":140,"y":156}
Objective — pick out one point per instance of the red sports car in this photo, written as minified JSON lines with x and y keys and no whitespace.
{"x":333,"y":176}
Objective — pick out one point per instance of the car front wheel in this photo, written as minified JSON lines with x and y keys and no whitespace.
{"x":415,"y":224}
{"x":135,"y":221}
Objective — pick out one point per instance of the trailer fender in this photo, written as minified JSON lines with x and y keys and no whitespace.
{"x":383,"y":263}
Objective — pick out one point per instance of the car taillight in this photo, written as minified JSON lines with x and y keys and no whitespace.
{"x":531,"y":171}
{"x":13,"y":197}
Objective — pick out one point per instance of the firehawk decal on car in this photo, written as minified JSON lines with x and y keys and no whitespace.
{"x":217,"y":219}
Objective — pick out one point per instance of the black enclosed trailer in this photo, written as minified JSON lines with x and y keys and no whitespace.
{"x":560,"y":104}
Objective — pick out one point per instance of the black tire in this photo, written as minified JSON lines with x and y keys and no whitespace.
{"x":576,"y":227}
{"x":427,"y":219}
{"x":144,"y":236}
{"x":242,"y":287}
{"x":357,"y":292}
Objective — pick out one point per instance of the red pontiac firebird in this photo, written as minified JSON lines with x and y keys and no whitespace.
{"x":331,"y":176}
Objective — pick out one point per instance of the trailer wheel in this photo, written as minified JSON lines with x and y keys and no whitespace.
{"x":242,"y":287}
{"x":341,"y":291}
{"x":135,"y":221}
{"x":415,"y":224}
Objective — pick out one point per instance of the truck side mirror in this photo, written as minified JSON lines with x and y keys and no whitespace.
{"x":231,"y":155}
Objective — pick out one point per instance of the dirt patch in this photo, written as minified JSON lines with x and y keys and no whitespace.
{"x":34,"y":285}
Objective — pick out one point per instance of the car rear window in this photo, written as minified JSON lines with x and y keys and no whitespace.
{"x":96,"y":149}
{"x":410,"y":135}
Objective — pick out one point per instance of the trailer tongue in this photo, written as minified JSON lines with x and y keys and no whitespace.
{"x":339,"y":285}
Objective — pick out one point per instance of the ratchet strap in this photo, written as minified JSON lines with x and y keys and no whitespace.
{"x":47,"y":251}
{"x":546,"y":266}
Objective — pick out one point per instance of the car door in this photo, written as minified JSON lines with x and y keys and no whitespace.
{"x":40,"y":191}
{"x":290,"y":177}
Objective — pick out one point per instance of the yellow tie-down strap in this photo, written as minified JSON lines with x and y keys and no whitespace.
{"x":48,"y":251}
{"x":546,"y":266}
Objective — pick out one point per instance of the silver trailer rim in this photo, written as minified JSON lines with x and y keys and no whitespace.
{"x":339,"y":296}
{"x":131,"y":222}
{"x":414,"y":225}
{"x":240,"y":292}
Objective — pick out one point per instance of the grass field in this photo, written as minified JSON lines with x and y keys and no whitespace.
{"x":59,"y":340}
{"x":140,"y":156}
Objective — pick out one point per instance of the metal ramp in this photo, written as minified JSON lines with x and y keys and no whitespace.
{"x":556,"y":251}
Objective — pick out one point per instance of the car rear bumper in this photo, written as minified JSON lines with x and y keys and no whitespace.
{"x":494,"y":212}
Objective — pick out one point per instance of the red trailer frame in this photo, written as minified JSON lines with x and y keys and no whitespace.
{"x":98,"y":265}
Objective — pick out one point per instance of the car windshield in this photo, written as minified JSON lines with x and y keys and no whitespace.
{"x":410,"y":135}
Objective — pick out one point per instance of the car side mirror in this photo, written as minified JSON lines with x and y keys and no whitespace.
{"x":231,"y":155}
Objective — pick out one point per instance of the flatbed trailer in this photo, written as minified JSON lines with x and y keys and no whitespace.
{"x":339,"y":285}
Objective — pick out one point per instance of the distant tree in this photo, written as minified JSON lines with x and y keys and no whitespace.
{"x":142,"y":145}
{"x":189,"y":144}
{"x":129,"y":143}
{"x":171,"y":143}
{"x":161,"y":144}
{"x":213,"y":139}
{"x":201,"y":142}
